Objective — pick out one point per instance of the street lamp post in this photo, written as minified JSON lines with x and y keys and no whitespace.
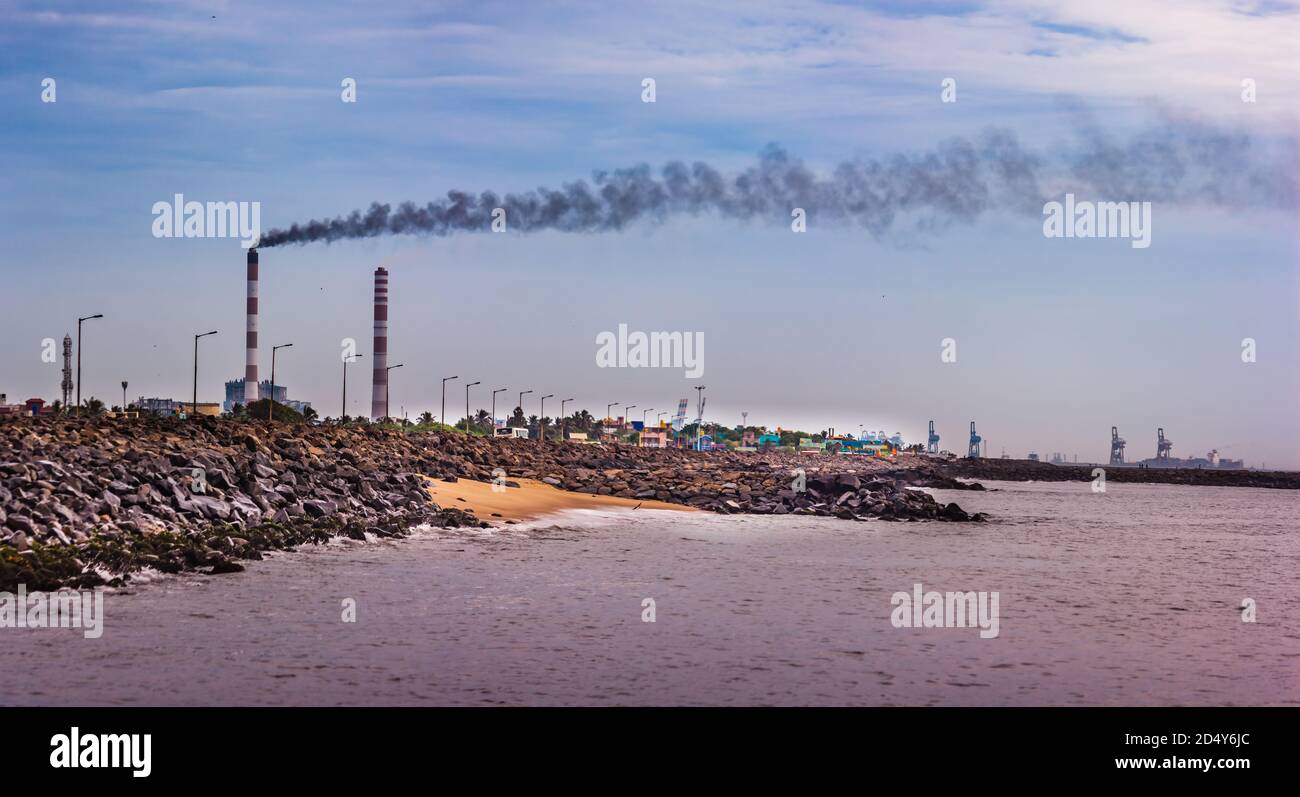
{"x":344,"y":416}
{"x":658,"y":416}
{"x":271,"y":399}
{"x":443,"y":416}
{"x":523,"y":393}
{"x":563,"y":418}
{"x":79,"y":320}
{"x":608,"y":409}
{"x":124,"y":397}
{"x":494,"y":405}
{"x":643,"y":412}
{"x":541,"y":418}
{"x":627,"y":417}
{"x":194,"y":406}
{"x":386,"y":370}
{"x":699,"y":415}
{"x":467,"y":387}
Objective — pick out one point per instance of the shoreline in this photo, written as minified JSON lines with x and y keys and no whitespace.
{"x":86,"y":502}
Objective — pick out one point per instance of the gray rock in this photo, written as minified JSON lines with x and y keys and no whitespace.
{"x":21,"y":523}
{"x":318,"y":509}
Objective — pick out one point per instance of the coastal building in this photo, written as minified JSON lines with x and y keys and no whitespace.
{"x":30,"y":407}
{"x":654,"y":438}
{"x":171,"y":407}
{"x":810,"y":446}
{"x":864,"y":446}
{"x":611,"y":430}
{"x":158,"y":406}
{"x":299,"y":407}
{"x":235,"y":389}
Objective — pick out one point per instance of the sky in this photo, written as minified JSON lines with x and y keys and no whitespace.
{"x":1056,"y":339}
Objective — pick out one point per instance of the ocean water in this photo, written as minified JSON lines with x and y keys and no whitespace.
{"x":1131,"y":597}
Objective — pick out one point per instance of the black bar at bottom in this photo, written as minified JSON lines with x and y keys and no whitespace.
{"x":330,"y":746}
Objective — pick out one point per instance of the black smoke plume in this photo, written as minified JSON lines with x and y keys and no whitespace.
{"x":1176,"y":162}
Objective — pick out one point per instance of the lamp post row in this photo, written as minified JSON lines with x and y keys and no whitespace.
{"x":194,"y":403}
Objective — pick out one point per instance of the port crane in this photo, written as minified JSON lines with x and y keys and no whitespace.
{"x":1163,"y":445}
{"x":973,"y":450}
{"x":1116,"y":447}
{"x":932,"y":442}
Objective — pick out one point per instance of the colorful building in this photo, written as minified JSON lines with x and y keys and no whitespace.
{"x":30,"y":407}
{"x":809,"y":446}
{"x":867,"y":446}
{"x":654,"y":438}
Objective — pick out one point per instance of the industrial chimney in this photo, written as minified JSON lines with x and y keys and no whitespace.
{"x":379,"y":380}
{"x":67,"y":384}
{"x":250,"y":362}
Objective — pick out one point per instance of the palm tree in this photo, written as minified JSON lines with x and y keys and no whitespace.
{"x":94,"y":406}
{"x":483,"y":421}
{"x":309,"y":415}
{"x":426,"y":418}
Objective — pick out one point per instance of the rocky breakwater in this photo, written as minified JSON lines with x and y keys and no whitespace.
{"x":1028,"y":470}
{"x":84,"y":503}
{"x":849,"y":488}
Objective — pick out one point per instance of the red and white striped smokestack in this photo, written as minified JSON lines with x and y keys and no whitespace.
{"x":250,"y":362}
{"x":379,"y":380}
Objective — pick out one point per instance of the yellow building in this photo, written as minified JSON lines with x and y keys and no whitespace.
{"x":211,"y":408}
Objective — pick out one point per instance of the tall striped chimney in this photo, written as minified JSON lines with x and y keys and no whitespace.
{"x":379,"y":379}
{"x":250,"y":361}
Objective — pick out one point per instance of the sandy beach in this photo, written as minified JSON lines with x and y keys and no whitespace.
{"x":530,"y":500}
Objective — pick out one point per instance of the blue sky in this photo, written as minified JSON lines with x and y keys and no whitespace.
{"x":1057,"y":340}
